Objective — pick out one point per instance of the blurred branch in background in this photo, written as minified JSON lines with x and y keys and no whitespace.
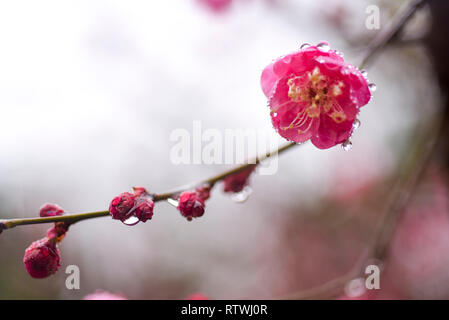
{"x":430,"y":134}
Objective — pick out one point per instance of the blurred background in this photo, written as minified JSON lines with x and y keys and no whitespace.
{"x":91,"y":90}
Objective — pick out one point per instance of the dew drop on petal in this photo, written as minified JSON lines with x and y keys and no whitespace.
{"x":364,"y":74}
{"x":131,"y":221}
{"x":323,"y":46}
{"x":355,"y":288}
{"x":339,"y":53}
{"x":356,"y":124}
{"x":304,"y":46}
{"x":345,"y":71}
{"x":372,"y":87}
{"x":347,"y":145}
{"x":243,"y":195}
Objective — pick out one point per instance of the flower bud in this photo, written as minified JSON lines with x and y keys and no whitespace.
{"x":42,"y":258}
{"x":236,"y":182}
{"x":191,"y":205}
{"x":50,"y":210}
{"x":121,"y":205}
{"x":204,"y":191}
{"x":144,"y":209}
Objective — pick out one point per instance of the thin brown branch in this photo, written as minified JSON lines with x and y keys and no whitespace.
{"x":73,"y":218}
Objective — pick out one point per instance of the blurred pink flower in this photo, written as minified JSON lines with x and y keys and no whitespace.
{"x":104,"y":295}
{"x":217,"y":6}
{"x":197,"y":296}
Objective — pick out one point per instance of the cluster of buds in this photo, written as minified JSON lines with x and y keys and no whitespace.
{"x":42,"y":257}
{"x":136,"y":206}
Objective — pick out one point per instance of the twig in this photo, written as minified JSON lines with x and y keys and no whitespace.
{"x":73,"y":218}
{"x":392,"y":31}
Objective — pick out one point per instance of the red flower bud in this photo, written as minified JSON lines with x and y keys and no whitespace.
{"x":191,"y":205}
{"x":204,"y":191}
{"x":144,"y":209}
{"x":238,"y":181}
{"x":50,"y":210}
{"x":42,"y":258}
{"x":121,"y":206}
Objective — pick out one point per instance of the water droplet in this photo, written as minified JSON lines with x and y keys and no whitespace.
{"x":345,"y":71}
{"x":275,"y":114}
{"x":356,"y":124}
{"x":304,"y":46}
{"x":355,"y":288}
{"x":173,"y":202}
{"x":339,"y":53}
{"x":372,"y":87}
{"x":323,"y":46}
{"x":243,"y":195}
{"x":347,"y":145}
{"x":131,"y":221}
{"x":364,"y":73}
{"x":320,"y":60}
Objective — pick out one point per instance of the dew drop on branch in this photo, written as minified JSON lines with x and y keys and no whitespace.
{"x":173,"y":202}
{"x":372,"y":87}
{"x":243,"y":195}
{"x":131,"y":221}
{"x":304,"y":46}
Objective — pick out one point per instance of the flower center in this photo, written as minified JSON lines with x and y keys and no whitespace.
{"x":318,"y":94}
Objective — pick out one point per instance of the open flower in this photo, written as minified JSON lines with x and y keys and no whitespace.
{"x":314,"y":94}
